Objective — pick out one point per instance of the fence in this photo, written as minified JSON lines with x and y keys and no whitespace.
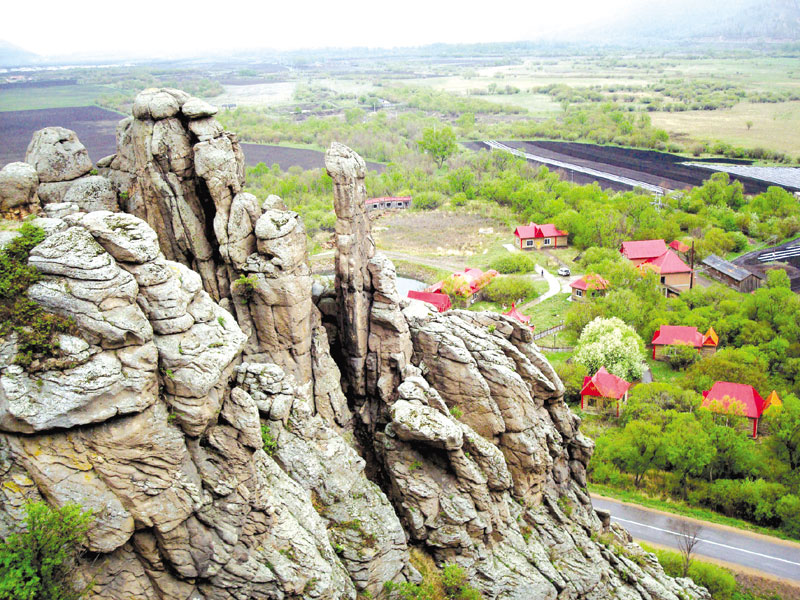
{"x":539,"y":335}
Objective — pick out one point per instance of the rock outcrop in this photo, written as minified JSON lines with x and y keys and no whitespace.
{"x":59,"y":159}
{"x":199,"y":411}
{"x":18,"y":184}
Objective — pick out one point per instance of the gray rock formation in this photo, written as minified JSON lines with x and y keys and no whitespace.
{"x":201,"y":416}
{"x":18,"y":184}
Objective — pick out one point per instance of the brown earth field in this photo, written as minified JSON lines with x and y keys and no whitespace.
{"x":96,"y":128}
{"x":657,"y":168}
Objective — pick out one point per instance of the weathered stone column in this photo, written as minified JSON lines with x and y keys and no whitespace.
{"x":354,"y":248}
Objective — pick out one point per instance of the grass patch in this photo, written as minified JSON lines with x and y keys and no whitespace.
{"x":420,"y":272}
{"x":680,"y":508}
{"x":662,"y":372}
{"x":549,"y":313}
{"x":483,"y":305}
{"x":53,"y":97}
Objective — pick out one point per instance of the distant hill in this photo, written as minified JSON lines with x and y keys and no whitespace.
{"x":12,"y":56}
{"x":722,"y":20}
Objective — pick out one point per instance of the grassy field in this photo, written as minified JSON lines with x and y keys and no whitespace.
{"x":775,"y":126}
{"x":662,"y":372}
{"x":51,"y":97}
{"x":457,"y":238}
{"x":548,"y":313}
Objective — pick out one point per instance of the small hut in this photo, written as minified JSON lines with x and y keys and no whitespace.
{"x":736,"y":277}
{"x":676,"y":335}
{"x":440,"y":301}
{"x":604,"y":385}
{"x":514,"y":313}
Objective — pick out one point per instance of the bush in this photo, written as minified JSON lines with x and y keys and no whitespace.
{"x":510,"y":288}
{"x":681,"y":356}
{"x":612,"y":344}
{"x":269,"y":443}
{"x":513,"y":262}
{"x":38,"y":562}
{"x":427,"y":201}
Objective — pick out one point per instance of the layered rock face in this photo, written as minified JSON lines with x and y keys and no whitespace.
{"x":202,"y":418}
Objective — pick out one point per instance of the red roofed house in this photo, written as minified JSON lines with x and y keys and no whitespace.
{"x":638,"y":252}
{"x":540,"y":236}
{"x":515,"y":314}
{"x":674,"y":335}
{"x":473,"y":281}
{"x":588,"y":286}
{"x":675,"y":275}
{"x":440,"y":301}
{"x":735,"y":399}
{"x":605,"y":385}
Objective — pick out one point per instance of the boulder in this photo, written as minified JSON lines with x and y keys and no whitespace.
{"x":18,"y":184}
{"x":58,"y":155}
{"x":92,"y":193}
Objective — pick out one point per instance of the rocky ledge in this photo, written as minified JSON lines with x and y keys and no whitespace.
{"x":225,"y":454}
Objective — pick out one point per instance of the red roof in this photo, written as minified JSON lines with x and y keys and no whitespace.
{"x":643,"y":249}
{"x":589,"y":282}
{"x":525,"y":232}
{"x":605,"y":385}
{"x":475,"y":278}
{"x":679,"y":246}
{"x":726,"y":394}
{"x":667,"y":263}
{"x":516,"y":314}
{"x":668,"y":335}
{"x":440,"y":301}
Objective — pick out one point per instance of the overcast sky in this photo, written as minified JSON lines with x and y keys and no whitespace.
{"x":148,"y":27}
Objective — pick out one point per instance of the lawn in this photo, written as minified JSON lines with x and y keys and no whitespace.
{"x":662,"y":372}
{"x":52,"y":97}
{"x":548,"y":313}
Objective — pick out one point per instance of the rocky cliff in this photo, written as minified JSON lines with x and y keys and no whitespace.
{"x":197,"y":408}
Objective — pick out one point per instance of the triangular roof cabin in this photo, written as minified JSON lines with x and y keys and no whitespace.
{"x":679,"y":246}
{"x":516,"y":314}
{"x":671,"y":335}
{"x":532,"y":231}
{"x":604,"y":385}
{"x":772,"y":400}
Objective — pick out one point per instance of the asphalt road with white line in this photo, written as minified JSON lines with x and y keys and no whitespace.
{"x":758,"y":552}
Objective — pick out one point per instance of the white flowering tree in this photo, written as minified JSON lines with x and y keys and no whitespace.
{"x":612,"y":344}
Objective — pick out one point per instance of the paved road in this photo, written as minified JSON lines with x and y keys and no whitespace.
{"x":753,"y":551}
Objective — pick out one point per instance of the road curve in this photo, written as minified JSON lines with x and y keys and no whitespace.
{"x":768,"y":555}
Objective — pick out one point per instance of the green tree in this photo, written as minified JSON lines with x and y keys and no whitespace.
{"x":638,"y":449}
{"x":38,"y":562}
{"x":439,"y":142}
{"x":688,"y":447}
{"x":784,"y":421}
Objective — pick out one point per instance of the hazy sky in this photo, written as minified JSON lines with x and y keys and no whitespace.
{"x":150,"y":27}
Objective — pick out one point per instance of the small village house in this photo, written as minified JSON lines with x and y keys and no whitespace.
{"x":533,"y":236}
{"x":440,"y":301}
{"x":470,"y":282}
{"x":653,"y":255}
{"x":604,"y":386}
{"x":642,"y":250}
{"x":675,"y":335}
{"x":385,"y":202}
{"x":588,"y":286}
{"x":738,"y":400}
{"x":734,"y":276}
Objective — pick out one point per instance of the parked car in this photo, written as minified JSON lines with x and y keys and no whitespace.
{"x":564,"y":272}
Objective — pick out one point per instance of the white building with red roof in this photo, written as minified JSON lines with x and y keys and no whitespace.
{"x":533,"y":236}
{"x":590,"y":285}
